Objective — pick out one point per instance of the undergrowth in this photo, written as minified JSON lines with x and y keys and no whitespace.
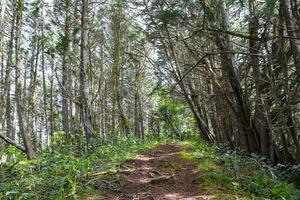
{"x":69,"y":170}
{"x":65,"y":172}
{"x":229,"y":173}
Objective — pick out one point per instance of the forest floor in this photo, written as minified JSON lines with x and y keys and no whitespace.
{"x":190,"y":170}
{"x":132,"y":169}
{"x":159,"y":173}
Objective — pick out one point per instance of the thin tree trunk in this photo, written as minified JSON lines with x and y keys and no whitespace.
{"x":86,"y":119}
{"x":261,"y":115}
{"x":45,"y":114}
{"x":51,"y":110}
{"x":27,"y":143}
{"x":30,"y":118}
{"x":292,"y":30}
{"x":65,"y":74}
{"x":141,"y":119}
{"x":7,"y":81}
{"x":11,"y":142}
{"x":250,"y":138}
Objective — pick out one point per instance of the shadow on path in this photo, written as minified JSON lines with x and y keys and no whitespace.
{"x":158,"y":174}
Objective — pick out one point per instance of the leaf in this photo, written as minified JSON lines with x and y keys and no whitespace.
{"x":11,"y":193}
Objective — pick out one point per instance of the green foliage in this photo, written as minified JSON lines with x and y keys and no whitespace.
{"x":227,"y":171}
{"x":289,"y":172}
{"x":175,"y":119}
{"x":268,"y":8}
{"x":168,"y":16}
{"x":67,"y":172}
{"x":13,"y":151}
{"x":63,"y":43}
{"x":262,"y":185}
{"x":137,"y":34}
{"x":64,"y":172}
{"x":170,"y":115}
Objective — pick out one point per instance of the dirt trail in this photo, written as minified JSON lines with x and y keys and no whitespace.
{"x":159,"y":174}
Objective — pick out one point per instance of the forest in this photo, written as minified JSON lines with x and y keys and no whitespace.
{"x":149,"y":99}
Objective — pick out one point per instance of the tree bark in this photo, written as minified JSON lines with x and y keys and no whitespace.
{"x":27,"y":143}
{"x":11,"y":142}
{"x":65,"y":70}
{"x":293,"y":32}
{"x":262,"y":112}
{"x":116,"y":71}
{"x":250,"y":138}
{"x":86,"y":119}
{"x":7,"y":81}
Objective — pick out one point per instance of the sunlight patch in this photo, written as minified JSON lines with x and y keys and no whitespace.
{"x":186,"y":197}
{"x":143,"y":158}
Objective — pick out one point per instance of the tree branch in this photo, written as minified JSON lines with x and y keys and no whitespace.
{"x":10,"y":141}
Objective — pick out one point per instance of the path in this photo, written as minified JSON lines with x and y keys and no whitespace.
{"x":159,"y":174}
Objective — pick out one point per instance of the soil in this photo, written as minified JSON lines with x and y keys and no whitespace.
{"x":159,"y":174}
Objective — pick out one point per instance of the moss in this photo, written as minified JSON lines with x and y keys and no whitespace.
{"x":169,"y":165}
{"x":186,"y":155}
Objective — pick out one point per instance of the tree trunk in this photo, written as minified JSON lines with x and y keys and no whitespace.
{"x":116,"y":71}
{"x":45,"y":114}
{"x":86,"y":119}
{"x":7,"y":81}
{"x":262,"y":112}
{"x":292,"y":30}
{"x":27,"y":143}
{"x":65,"y":74}
{"x":250,"y":138}
{"x":30,"y":118}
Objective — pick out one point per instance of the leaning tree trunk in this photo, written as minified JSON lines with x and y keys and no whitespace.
{"x":251,"y":141}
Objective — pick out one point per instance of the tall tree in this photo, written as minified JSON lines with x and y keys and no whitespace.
{"x":118,"y":34}
{"x":27,"y":143}
{"x":86,"y":119}
{"x":65,"y":69}
{"x":7,"y":81}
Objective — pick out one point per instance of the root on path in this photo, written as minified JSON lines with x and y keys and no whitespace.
{"x":158,"y":174}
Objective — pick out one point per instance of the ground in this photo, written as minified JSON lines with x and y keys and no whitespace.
{"x":159,"y":174}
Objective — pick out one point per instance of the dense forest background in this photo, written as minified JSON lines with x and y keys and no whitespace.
{"x":84,"y":81}
{"x":92,"y":69}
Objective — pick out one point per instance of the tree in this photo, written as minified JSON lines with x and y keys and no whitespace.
{"x":117,"y":32}
{"x":86,"y":118}
{"x":27,"y":143}
{"x":292,"y":30}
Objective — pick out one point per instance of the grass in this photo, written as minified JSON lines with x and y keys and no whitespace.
{"x":63,"y":174}
{"x":227,"y":174}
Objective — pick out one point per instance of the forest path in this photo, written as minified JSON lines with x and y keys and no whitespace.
{"x":159,"y":174}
